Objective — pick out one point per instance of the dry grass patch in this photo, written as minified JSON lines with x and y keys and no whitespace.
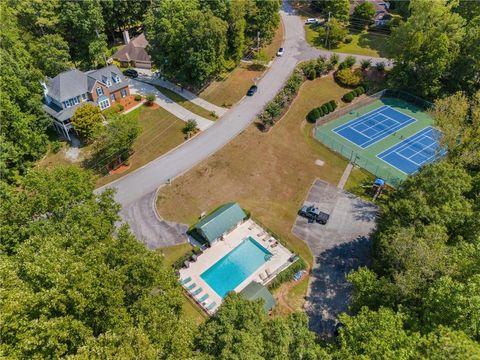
{"x":267,"y":173}
{"x":161,"y":132}
{"x":229,"y":90}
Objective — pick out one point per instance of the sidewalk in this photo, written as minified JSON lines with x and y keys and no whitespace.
{"x":168,"y":104}
{"x":148,"y":77}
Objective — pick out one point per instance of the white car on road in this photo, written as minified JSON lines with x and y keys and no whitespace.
{"x":280,"y":52}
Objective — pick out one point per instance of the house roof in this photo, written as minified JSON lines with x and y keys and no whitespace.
{"x":71,"y":83}
{"x":214,"y":225}
{"x":67,"y":84}
{"x":255,"y":291}
{"x":61,"y":114}
{"x":108,"y":72}
{"x":135,"y":50}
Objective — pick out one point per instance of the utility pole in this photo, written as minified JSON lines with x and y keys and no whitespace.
{"x":328,"y":31}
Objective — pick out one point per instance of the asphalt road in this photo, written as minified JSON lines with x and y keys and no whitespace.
{"x":136,"y":192}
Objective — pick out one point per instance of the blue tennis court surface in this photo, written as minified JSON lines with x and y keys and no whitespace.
{"x":417,"y":150}
{"x":373,"y":126}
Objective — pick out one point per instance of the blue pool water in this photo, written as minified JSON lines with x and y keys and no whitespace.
{"x":228,"y":272}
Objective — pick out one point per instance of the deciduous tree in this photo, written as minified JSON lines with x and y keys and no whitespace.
{"x":87,"y":121}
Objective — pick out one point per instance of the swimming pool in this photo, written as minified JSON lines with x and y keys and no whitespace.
{"x":229,"y":272}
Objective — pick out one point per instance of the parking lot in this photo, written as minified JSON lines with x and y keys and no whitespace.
{"x":338,"y":247}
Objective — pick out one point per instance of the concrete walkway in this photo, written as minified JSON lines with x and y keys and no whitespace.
{"x":148,"y":77}
{"x":344,"y":178}
{"x":168,"y":104}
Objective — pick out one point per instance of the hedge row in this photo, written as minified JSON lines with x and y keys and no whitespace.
{"x":320,"y":111}
{"x":274,"y":109}
{"x":287,"y":274}
{"x":113,"y":110}
{"x":348,"y":97}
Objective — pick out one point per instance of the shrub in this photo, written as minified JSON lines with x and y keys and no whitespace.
{"x":287,"y":274}
{"x":320,"y":111}
{"x":334,"y":104}
{"x":311,"y":74}
{"x":350,"y":61}
{"x":347,"y":77}
{"x":55,"y":146}
{"x":329,"y":107}
{"x":380,"y":67}
{"x":150,"y":99}
{"x":325,"y":109}
{"x":360,"y":90}
{"x":120,"y":107}
{"x":342,"y":65}
{"x":137,"y":97}
{"x":348,"y":97}
{"x":334,"y":58}
{"x":348,"y":39}
{"x":365,"y":64}
{"x":313,"y":115}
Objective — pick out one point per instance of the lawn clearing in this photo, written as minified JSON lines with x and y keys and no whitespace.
{"x":267,"y":173}
{"x":363,"y":43}
{"x":190,"y":106}
{"x":172,"y":253}
{"x":232,"y":87}
{"x":161,"y":132}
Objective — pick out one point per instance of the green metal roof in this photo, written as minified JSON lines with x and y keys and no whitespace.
{"x":221,"y":220}
{"x":255,"y":290}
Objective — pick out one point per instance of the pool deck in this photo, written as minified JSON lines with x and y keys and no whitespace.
{"x":264,"y":274}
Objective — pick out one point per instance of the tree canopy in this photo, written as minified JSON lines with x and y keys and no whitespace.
{"x":72,"y":285}
{"x":209,"y":35}
{"x":435,"y":57}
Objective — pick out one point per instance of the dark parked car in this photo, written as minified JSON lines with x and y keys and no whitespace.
{"x":314,"y":214}
{"x":130,"y":73}
{"x":253,"y":89}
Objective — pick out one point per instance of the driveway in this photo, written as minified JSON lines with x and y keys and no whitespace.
{"x":139,"y":87}
{"x":134,"y":188}
{"x":338,"y":247}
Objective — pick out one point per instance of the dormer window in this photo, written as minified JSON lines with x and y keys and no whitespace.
{"x":106,"y":81}
{"x":116,"y":78}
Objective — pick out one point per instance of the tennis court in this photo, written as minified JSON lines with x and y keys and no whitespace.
{"x":389,"y":137}
{"x":417,"y":150}
{"x":374,"y":126}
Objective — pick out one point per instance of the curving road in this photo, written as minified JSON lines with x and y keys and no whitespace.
{"x":136,"y":192}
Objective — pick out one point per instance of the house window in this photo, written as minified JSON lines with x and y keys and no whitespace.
{"x":116,"y":78}
{"x":71,"y":102}
{"x":106,"y":81}
{"x":123,"y":92}
{"x":84,"y":96}
{"x":112,"y":97}
{"x":104,"y":104}
{"x":99,"y":91}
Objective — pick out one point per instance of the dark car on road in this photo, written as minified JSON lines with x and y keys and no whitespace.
{"x":313,"y":213}
{"x":253,"y":89}
{"x":130,"y":73}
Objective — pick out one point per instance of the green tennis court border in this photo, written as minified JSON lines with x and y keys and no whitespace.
{"x":367,"y":158}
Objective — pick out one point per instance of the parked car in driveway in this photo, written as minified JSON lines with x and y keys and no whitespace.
{"x":311,"y":21}
{"x":280,"y":52}
{"x":130,"y":73}
{"x":253,"y":89}
{"x":313,"y":213}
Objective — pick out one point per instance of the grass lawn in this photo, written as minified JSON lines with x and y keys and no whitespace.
{"x":233,"y":86}
{"x":267,"y":173}
{"x":363,"y":43}
{"x":180,"y":100}
{"x":161,"y":132}
{"x":171,"y":254}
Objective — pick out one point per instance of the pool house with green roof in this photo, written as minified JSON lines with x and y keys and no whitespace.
{"x":220,"y":222}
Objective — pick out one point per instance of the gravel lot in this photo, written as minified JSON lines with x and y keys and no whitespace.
{"x":338,"y":247}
